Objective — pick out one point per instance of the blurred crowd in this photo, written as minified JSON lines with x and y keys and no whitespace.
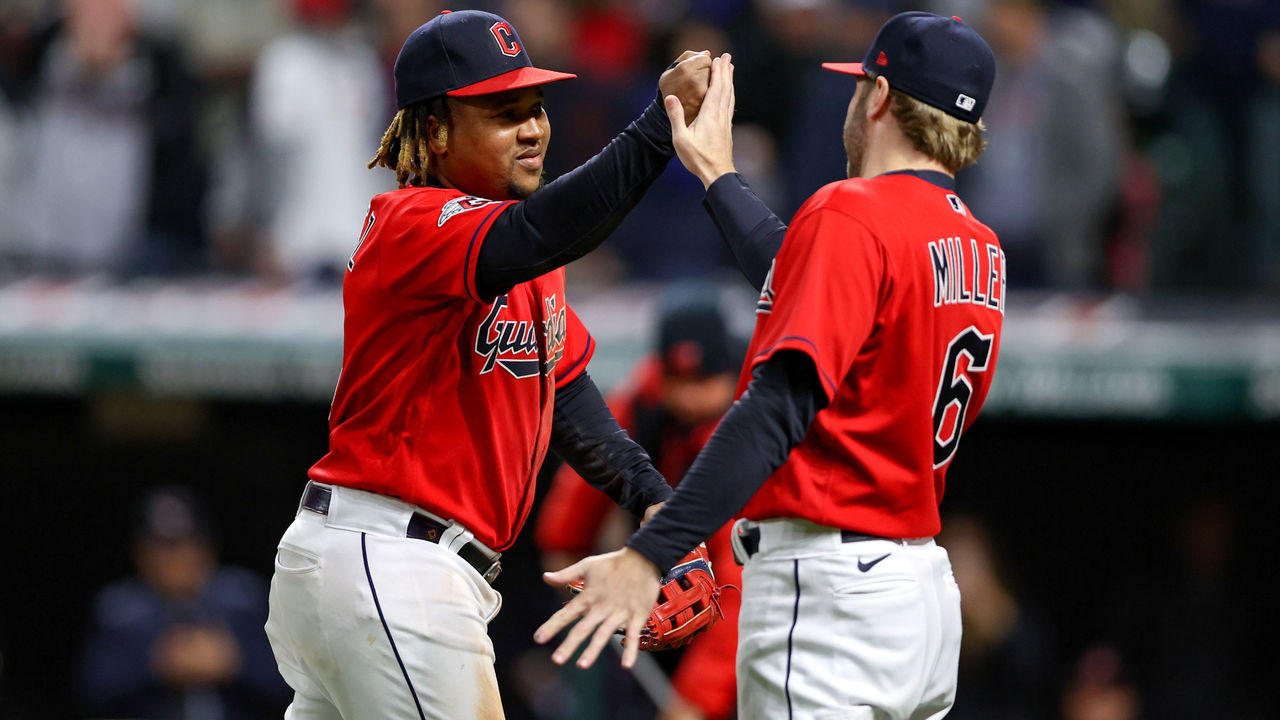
{"x":1179,"y":638}
{"x":1134,"y":144}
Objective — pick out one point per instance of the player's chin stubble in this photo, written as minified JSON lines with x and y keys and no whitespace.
{"x":516,"y":191}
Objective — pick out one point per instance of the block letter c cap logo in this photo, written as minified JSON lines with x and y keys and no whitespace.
{"x":506,"y":38}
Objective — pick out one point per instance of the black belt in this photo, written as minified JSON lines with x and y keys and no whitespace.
{"x":751,"y":538}
{"x":316,"y":499}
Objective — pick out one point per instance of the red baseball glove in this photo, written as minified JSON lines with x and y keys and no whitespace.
{"x":688,"y":603}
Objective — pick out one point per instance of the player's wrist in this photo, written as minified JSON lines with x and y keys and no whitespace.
{"x":654,"y":124}
{"x":640,"y":559}
{"x":709,"y":176}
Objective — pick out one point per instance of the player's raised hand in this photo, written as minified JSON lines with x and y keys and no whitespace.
{"x":687,"y":79}
{"x":705,"y":145}
{"x":620,"y":589}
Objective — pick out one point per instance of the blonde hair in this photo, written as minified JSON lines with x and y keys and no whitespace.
{"x":405,"y":148}
{"x":951,"y":141}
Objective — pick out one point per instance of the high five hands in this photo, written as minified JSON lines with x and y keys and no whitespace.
{"x":687,"y":80}
{"x":705,"y":144}
{"x":620,"y":587}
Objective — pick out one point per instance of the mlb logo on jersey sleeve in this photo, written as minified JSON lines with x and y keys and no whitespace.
{"x":956,"y":204}
{"x":461,"y":205}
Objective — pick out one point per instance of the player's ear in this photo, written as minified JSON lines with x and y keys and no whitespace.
{"x":437,"y":135}
{"x":878,"y":103}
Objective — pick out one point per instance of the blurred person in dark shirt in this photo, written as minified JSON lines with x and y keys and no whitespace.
{"x":1211,"y":134}
{"x":670,"y":405}
{"x":183,"y":639}
{"x":1049,"y":181}
{"x":1264,"y":171}
{"x":1006,"y":654}
{"x":1192,"y":632}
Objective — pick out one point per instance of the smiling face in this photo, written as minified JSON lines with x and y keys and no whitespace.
{"x":496,"y":144}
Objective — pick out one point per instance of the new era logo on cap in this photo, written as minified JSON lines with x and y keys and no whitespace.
{"x":937,"y":60}
{"x":463,"y":53}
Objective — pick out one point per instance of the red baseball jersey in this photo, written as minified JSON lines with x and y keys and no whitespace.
{"x":445,"y":400}
{"x":897,"y":294}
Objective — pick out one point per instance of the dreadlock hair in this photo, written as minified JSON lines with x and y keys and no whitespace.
{"x":951,"y":141}
{"x":405,"y":148}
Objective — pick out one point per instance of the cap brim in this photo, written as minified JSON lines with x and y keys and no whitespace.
{"x":846,"y":68}
{"x":519,"y":78}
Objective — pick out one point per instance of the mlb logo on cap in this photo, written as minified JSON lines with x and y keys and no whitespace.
{"x":937,"y":60}
{"x":464,"y":53}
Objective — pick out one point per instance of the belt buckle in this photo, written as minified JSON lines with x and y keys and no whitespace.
{"x":492,"y":573}
{"x":745,"y":540}
{"x":494,"y":558}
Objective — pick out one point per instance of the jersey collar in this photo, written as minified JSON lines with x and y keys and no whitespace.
{"x":941,"y":179}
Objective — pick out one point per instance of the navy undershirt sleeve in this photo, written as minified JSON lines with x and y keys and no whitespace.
{"x":585,"y":435}
{"x":750,"y":229}
{"x":572,"y":215}
{"x":754,"y":439}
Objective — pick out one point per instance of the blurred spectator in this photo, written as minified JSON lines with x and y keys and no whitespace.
{"x":111,"y":178}
{"x":223,"y":39}
{"x":813,"y":155}
{"x":669,"y":236}
{"x":672,"y":403}
{"x":16,"y":21}
{"x":318,"y":108}
{"x":778,"y":47}
{"x":1208,"y":127}
{"x":395,"y":20}
{"x":183,"y":640}
{"x":1048,"y":182}
{"x":1006,"y":657}
{"x":1263,"y":179}
{"x":1100,"y":689}
{"x":1189,"y":633}
{"x":9,"y":179}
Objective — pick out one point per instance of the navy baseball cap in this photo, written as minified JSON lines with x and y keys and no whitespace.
{"x":694,"y":339}
{"x":170,"y":514}
{"x":937,"y":60}
{"x":465,"y":53}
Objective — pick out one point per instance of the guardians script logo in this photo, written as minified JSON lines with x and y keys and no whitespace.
{"x":513,"y":344}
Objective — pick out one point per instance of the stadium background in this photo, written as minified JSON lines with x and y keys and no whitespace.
{"x":1138,"y":392}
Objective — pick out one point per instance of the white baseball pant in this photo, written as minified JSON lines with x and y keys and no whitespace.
{"x":368,"y":624}
{"x":863,"y":630}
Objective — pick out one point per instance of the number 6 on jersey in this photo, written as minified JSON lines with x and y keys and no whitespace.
{"x":954,"y":389}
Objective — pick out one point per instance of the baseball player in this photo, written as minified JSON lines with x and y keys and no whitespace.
{"x":878,"y":327}
{"x":670,"y":405}
{"x":462,"y":364}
